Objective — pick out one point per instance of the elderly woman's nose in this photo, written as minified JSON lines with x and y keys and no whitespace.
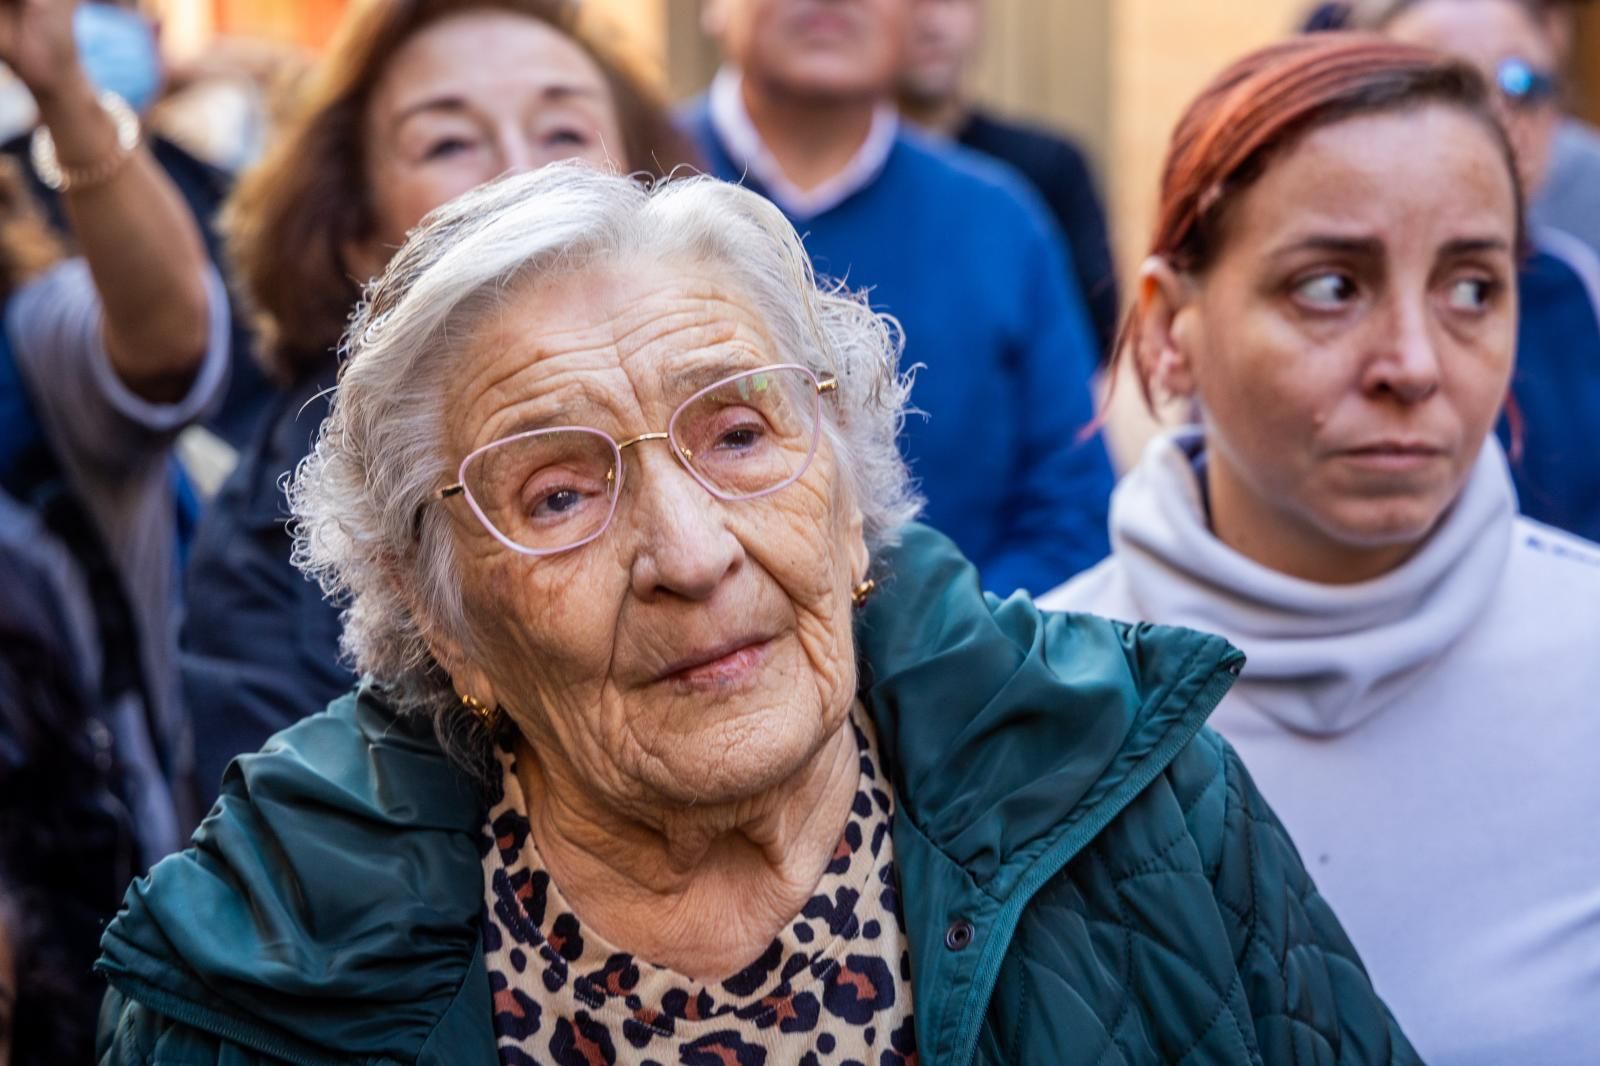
{"x":684,"y":546}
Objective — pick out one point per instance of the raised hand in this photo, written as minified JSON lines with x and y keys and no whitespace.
{"x":36,"y":42}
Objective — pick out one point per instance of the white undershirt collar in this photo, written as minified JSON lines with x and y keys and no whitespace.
{"x":743,"y":141}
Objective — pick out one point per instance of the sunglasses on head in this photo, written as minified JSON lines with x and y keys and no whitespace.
{"x":1524,"y":85}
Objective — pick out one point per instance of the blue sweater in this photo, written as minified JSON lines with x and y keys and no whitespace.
{"x":1556,"y":387}
{"x":961,"y":252}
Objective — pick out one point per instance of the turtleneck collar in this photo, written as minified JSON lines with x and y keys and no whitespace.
{"x":1321,"y":658}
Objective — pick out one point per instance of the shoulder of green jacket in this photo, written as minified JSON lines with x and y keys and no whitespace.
{"x":1013,"y":737}
{"x":1000,"y":722}
{"x":329,"y":903}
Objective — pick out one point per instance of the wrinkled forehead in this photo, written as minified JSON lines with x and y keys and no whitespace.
{"x":606,"y":345}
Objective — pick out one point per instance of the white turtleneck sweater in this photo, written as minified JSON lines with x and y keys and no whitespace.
{"x":1430,"y":739}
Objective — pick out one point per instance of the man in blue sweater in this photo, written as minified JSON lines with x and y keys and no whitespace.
{"x":955,"y":246}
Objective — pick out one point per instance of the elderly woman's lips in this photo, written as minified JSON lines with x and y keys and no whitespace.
{"x":717,"y":666}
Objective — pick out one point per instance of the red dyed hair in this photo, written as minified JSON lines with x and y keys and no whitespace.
{"x":1265,"y":103}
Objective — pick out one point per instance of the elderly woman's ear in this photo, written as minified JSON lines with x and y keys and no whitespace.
{"x":1167,"y":330}
{"x":468,"y":678}
{"x":860,"y":559}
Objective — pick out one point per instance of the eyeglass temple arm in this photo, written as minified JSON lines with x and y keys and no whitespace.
{"x":450,"y":490}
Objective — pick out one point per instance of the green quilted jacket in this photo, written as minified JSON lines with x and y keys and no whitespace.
{"x":1088,"y":875}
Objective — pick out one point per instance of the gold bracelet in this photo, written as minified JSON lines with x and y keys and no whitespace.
{"x":42,"y":151}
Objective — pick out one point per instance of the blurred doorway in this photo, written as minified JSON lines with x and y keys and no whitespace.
{"x":1586,"y":64}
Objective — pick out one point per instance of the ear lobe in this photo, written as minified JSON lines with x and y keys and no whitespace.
{"x":1165,"y":336}
{"x":860,"y":561}
{"x":468,"y":677}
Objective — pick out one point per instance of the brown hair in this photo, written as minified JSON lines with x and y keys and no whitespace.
{"x":1262,"y":105}
{"x":294,"y":211}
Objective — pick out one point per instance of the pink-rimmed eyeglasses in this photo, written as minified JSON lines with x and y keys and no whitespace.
{"x":552,"y":490}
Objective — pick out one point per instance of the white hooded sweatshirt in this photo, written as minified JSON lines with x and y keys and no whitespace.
{"x":1431,"y":739}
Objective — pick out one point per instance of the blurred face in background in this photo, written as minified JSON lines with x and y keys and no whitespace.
{"x":472,"y":97}
{"x":813,"y":49}
{"x":1497,"y":36}
{"x":943,"y":36}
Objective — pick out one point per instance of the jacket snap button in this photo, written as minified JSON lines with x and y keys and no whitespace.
{"x":959,"y":935}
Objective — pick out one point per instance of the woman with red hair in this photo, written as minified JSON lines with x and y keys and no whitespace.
{"x":1332,"y":284}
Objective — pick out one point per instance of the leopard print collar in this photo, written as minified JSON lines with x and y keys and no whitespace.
{"x":832,"y":989}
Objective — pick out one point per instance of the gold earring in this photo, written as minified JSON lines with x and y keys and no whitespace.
{"x":862,"y":592}
{"x":489,"y":716}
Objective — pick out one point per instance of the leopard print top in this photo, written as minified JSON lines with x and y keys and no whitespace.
{"x":833,"y":989}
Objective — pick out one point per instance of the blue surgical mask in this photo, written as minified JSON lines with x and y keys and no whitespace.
{"x":118,"y":50}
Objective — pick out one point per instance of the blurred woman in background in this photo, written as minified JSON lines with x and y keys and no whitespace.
{"x":1553,"y":433}
{"x":1333,"y":282}
{"x":415,"y":102}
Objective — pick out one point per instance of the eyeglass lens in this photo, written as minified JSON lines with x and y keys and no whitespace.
{"x":555,"y":489}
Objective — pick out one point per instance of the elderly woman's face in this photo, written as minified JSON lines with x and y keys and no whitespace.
{"x":467,"y":99}
{"x":699,"y":650}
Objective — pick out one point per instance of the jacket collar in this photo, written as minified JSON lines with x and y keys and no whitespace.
{"x":340,"y":869}
{"x":1013,"y":736}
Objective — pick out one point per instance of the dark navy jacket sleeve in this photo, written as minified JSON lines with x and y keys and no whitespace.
{"x":260,"y":644}
{"x":1077,"y":207}
{"x":1056,"y":506}
{"x":1057,"y":168}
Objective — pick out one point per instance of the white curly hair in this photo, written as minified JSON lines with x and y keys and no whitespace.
{"x":360,"y":526}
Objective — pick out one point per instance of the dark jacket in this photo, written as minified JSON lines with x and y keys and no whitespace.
{"x":1556,"y":387}
{"x":260,"y":646}
{"x":1058,"y":169}
{"x":67,"y":846}
{"x":1087,"y":875}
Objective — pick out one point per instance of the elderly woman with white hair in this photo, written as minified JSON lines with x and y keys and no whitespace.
{"x":642,"y":769}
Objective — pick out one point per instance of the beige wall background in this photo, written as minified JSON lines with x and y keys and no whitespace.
{"x":1163,"y":52}
{"x":1051,"y":62}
